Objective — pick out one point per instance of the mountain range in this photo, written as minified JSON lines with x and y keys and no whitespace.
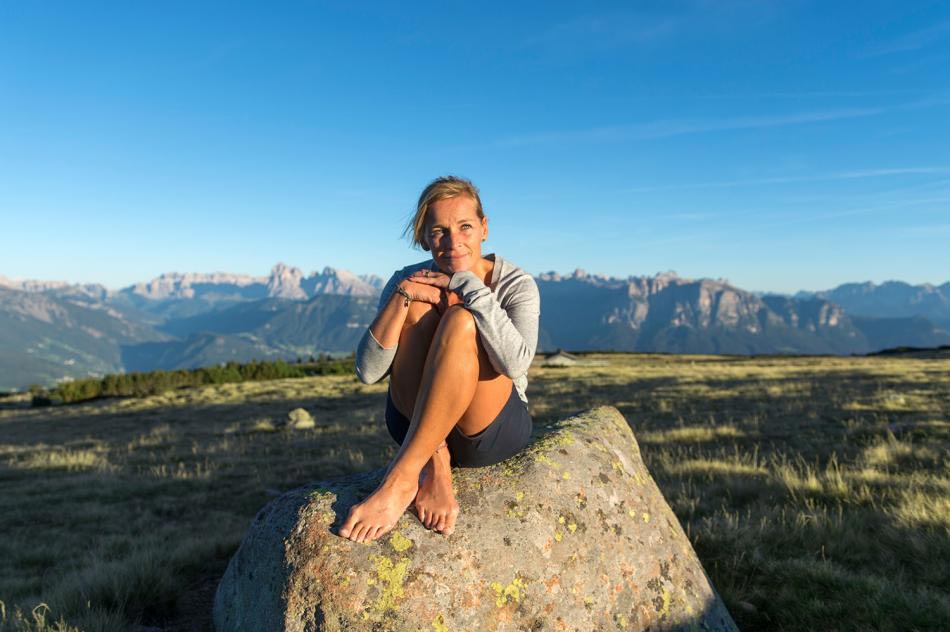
{"x":50,"y":331}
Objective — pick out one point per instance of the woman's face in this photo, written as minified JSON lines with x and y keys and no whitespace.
{"x":454,"y":234}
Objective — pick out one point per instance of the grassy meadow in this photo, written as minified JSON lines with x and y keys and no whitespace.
{"x":816,"y":490}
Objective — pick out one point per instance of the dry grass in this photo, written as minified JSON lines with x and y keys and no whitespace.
{"x":815,"y":490}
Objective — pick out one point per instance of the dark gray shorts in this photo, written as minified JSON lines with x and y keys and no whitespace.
{"x":504,"y":437}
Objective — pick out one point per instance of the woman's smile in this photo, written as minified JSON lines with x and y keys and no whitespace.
{"x":454,"y":234}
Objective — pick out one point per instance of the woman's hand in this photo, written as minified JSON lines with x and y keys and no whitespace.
{"x":422,"y":292}
{"x":440,"y":282}
{"x":428,"y":277}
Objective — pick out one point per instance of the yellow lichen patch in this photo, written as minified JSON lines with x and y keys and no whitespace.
{"x":572,"y":527}
{"x":561,"y":520}
{"x":555,"y":440}
{"x":566,"y":475}
{"x":399,"y":542}
{"x":391,"y":577}
{"x":511,"y":592}
{"x":646,"y":517}
{"x":438,"y":624}
{"x":665,"y":610}
{"x":542,"y":458}
{"x":519,"y":496}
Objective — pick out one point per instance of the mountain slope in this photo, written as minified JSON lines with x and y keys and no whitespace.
{"x":893,"y":299}
{"x":43,"y":338}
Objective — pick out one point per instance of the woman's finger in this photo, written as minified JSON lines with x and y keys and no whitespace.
{"x":430,"y":278}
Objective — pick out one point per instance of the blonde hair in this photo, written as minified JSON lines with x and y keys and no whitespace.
{"x":441,"y":188}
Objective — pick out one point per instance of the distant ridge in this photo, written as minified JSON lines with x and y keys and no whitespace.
{"x":50,"y":331}
{"x":283,"y":282}
{"x":893,"y":299}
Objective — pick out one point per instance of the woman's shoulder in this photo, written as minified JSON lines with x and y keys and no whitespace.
{"x":510,"y":275}
{"x":507,"y":269}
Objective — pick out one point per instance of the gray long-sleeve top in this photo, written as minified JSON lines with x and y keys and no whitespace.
{"x":506,"y":316}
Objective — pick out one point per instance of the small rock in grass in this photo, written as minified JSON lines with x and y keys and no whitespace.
{"x":300,"y":419}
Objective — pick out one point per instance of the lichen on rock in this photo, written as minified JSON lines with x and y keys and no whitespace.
{"x":572,"y":533}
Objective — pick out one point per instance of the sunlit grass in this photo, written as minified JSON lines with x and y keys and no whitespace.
{"x":815,"y":490}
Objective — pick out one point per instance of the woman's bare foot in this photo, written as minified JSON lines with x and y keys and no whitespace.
{"x":377,"y":515}
{"x":435,"y":502}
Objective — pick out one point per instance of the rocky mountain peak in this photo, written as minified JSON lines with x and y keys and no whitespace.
{"x":285,"y":282}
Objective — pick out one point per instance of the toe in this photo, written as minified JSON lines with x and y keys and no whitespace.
{"x":450,"y":522}
{"x":347,"y":529}
{"x":383,"y":530}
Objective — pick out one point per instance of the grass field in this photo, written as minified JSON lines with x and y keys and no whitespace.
{"x":816,"y":491}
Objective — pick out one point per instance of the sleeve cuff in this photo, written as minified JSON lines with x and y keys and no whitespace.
{"x":378,"y":344}
{"x":464,"y":280}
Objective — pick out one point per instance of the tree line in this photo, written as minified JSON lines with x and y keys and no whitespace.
{"x":142,"y":384}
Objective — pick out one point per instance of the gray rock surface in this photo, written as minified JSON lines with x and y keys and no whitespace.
{"x":571,"y":534}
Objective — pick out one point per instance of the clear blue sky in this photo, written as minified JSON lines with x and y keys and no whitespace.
{"x":781,"y":145}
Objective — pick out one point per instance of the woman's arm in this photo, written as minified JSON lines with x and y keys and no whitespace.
{"x":510,"y":333}
{"x":377,"y":348}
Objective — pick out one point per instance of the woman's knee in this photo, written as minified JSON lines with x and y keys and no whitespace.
{"x":458,"y":321}
{"x":419,"y":311}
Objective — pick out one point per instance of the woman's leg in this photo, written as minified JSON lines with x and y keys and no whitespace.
{"x":458,"y":387}
{"x":435,"y":502}
{"x":414,"y":341}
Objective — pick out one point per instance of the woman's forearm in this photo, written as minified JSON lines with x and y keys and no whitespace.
{"x":390,"y":320}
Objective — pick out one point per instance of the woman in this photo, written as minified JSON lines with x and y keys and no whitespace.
{"x":456,"y":334}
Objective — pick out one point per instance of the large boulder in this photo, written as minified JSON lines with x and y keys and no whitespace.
{"x":571,"y":534}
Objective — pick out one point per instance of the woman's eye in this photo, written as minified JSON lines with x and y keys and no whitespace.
{"x":466,"y":225}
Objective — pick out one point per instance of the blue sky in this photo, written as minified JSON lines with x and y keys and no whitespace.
{"x":781,"y":145}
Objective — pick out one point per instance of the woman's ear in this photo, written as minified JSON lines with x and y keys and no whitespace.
{"x":484,"y":228}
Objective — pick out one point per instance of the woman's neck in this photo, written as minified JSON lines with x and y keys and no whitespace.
{"x":485,"y":274}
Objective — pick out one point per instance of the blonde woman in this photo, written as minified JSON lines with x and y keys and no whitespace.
{"x":456,"y":334}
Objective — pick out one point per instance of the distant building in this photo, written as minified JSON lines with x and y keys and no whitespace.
{"x":560,"y":358}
